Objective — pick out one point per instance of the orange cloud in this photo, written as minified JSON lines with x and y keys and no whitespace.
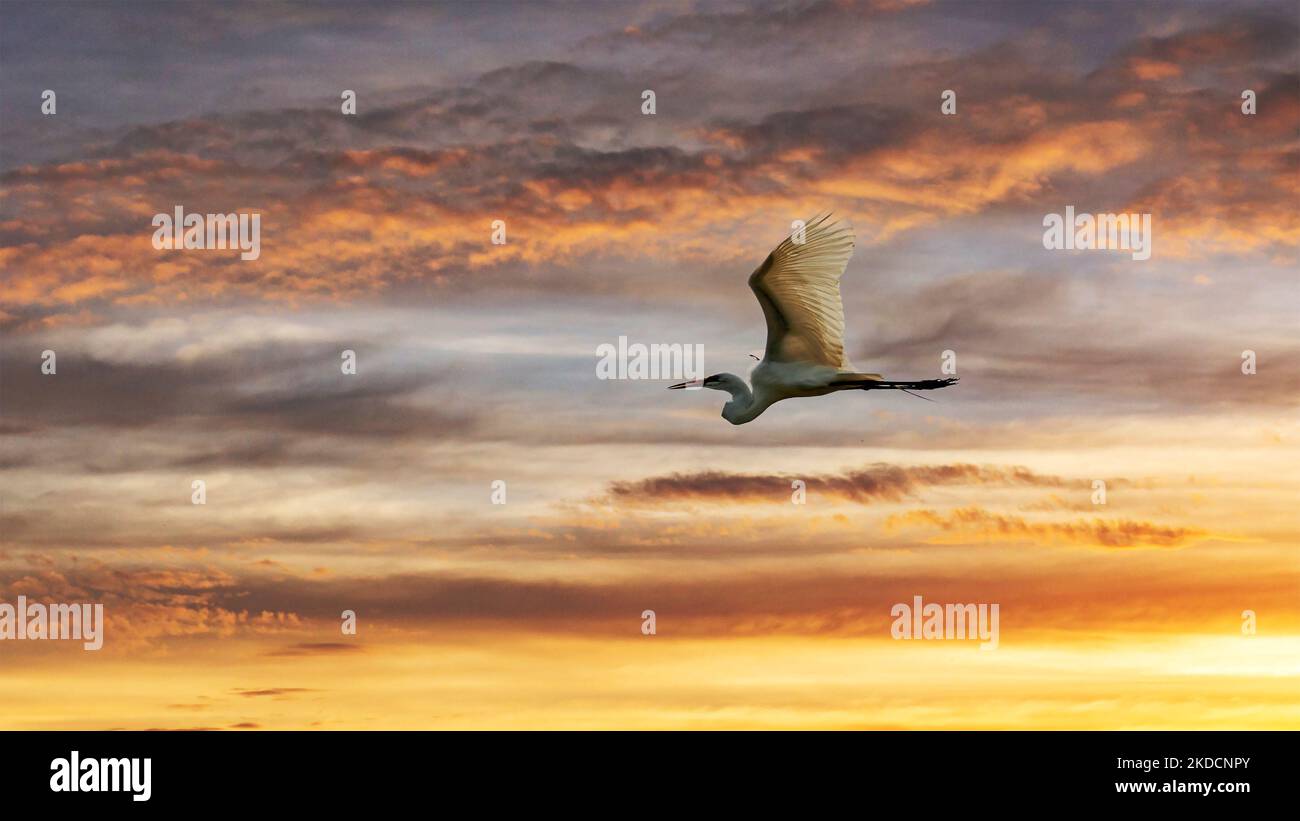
{"x":975,"y":524}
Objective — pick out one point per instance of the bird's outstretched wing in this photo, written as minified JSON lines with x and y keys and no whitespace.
{"x":798,"y":286}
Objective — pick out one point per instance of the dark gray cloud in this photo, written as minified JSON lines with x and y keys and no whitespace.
{"x":286,"y":388}
{"x":880,"y":482}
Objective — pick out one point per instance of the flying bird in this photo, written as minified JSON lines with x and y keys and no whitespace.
{"x":798,"y":286}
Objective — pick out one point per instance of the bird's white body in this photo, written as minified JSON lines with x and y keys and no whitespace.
{"x":798,"y":287}
{"x":785,"y":380}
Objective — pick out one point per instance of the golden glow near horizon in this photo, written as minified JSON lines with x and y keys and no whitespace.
{"x":1117,"y":470}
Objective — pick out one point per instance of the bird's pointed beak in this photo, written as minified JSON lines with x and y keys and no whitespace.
{"x":694,"y":384}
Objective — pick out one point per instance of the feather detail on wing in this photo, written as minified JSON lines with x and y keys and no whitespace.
{"x":798,"y":286}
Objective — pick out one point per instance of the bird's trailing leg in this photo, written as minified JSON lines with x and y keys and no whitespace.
{"x":892,"y":385}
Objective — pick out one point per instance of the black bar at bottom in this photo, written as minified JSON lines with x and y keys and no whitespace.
{"x":330,"y":770}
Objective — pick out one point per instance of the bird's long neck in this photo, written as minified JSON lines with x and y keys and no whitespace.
{"x":742,"y":407}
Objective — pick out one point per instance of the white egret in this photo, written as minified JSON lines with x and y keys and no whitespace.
{"x":798,"y":286}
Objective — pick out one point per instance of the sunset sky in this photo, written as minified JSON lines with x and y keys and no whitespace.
{"x":476,"y":362}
